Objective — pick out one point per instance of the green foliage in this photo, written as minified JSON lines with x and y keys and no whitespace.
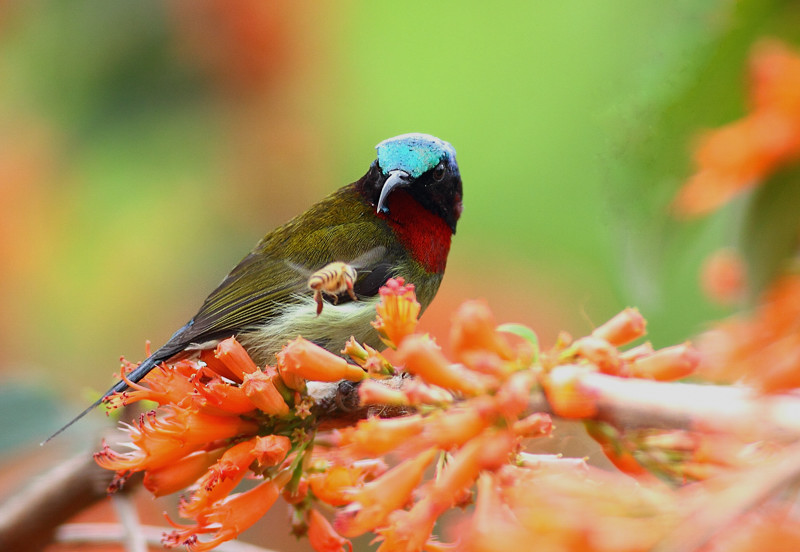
{"x":771,"y":228}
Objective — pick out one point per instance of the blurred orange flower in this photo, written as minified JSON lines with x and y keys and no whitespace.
{"x":723,"y":277}
{"x":629,"y":325}
{"x":740,"y":155}
{"x":761,"y":348}
{"x":322,"y":536}
{"x":373,"y":502}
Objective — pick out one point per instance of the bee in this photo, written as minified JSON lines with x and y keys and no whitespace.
{"x":332,"y":279}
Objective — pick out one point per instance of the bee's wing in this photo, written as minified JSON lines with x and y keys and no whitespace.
{"x":362,"y":263}
{"x":368,"y":259}
{"x":373,"y":268}
{"x":300,"y":269}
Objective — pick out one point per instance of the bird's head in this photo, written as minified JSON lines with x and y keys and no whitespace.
{"x":423,"y":166}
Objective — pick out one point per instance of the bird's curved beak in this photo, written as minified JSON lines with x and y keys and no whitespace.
{"x":396,"y":179}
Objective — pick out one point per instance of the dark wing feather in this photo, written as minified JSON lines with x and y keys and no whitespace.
{"x":250,"y":294}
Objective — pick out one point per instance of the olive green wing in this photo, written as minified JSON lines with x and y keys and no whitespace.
{"x":276,"y":275}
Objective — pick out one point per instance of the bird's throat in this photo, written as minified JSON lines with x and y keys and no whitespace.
{"x":425,"y":235}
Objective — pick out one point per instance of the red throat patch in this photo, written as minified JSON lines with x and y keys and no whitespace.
{"x":424,"y":234}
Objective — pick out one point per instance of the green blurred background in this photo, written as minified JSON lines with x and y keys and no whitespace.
{"x":146,"y":146}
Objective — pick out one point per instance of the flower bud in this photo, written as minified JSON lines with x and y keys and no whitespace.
{"x":667,"y":364}
{"x":231,"y":353}
{"x":373,"y":392}
{"x":564,"y":393}
{"x":398,"y":312}
{"x":322,"y":536}
{"x":623,"y":328}
{"x":422,"y":357}
{"x":474,"y":328}
{"x":260,"y":389}
{"x":309,"y":361}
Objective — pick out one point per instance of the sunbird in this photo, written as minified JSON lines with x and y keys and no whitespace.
{"x":396,"y":220}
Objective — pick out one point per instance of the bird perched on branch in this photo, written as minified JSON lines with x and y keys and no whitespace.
{"x":396,"y":220}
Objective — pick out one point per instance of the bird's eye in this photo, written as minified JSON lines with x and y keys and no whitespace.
{"x":438,"y":172}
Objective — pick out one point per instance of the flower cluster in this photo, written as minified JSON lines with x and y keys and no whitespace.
{"x":740,"y":155}
{"x":222,"y":420}
{"x":761,"y":348}
{"x":569,"y":359}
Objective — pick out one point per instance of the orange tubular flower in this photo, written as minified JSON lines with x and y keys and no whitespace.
{"x":329,"y":485}
{"x":538,"y":424}
{"x":419,"y":392}
{"x":220,"y":480}
{"x":372,"y":392}
{"x":309,"y":361}
{"x":368,"y":358}
{"x":231,"y":353}
{"x":724,"y":277}
{"x":452,"y":428}
{"x":356,"y":351}
{"x":158,"y":442}
{"x":216,"y":366}
{"x":374,"y":436}
{"x":667,"y":364}
{"x":410,"y":530}
{"x":334,"y":485}
{"x":599,"y":352}
{"x":160,"y":452}
{"x":181,"y":474}
{"x":191,"y":427}
{"x":260,"y":388}
{"x":493,"y":525}
{"x":164,"y":385}
{"x":622,"y":458}
{"x":762,"y":348}
{"x":623,"y":328}
{"x":271,"y":450}
{"x":216,"y":396}
{"x":474,"y":329}
{"x":489,"y":451}
{"x":422,"y":357}
{"x":229,"y":518}
{"x":564,"y":393}
{"x":374,"y":501}
{"x":740,"y":155}
{"x":322,"y":536}
{"x":512,"y":398}
{"x":635,"y":353}
{"x":398,"y":312}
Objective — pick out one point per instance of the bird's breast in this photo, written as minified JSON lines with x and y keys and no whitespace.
{"x":331,"y":329}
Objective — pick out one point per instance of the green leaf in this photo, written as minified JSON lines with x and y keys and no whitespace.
{"x":525,"y":333}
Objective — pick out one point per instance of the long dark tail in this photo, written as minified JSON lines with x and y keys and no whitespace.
{"x":138,"y":373}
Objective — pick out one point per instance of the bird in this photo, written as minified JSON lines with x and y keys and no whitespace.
{"x":395,"y":221}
